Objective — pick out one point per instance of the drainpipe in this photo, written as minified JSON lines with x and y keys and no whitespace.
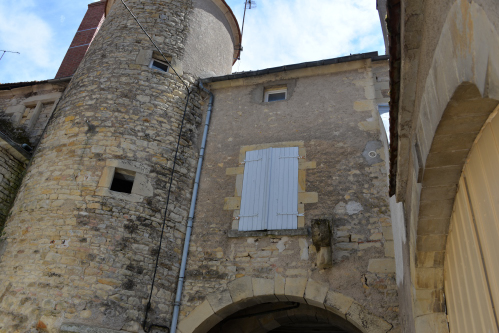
{"x":187,"y":241}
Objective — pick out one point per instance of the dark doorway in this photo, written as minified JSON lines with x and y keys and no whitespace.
{"x":309,"y":328}
{"x":284,"y":317}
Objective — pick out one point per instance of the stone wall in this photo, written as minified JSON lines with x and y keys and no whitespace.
{"x":88,"y":253}
{"x":26,"y":109}
{"x":448,"y":89}
{"x":199,"y":56}
{"x":330,"y":114}
{"x":12,"y":164}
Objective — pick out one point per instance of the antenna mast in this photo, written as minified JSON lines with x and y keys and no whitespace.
{"x":4,"y":51}
{"x":248,"y":4}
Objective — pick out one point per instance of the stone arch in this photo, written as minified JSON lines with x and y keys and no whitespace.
{"x":462,"y":120}
{"x":245,"y":292}
{"x":283,"y":316}
{"x":461,"y":91}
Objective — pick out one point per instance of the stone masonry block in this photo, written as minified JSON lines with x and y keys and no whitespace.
{"x":389,"y":249}
{"x":365,"y":105}
{"x":279,"y":284}
{"x":381,"y":266}
{"x":19,"y":109}
{"x":434,"y":322}
{"x":295,"y":289}
{"x":325,"y":258}
{"x":232,"y":203}
{"x":388,"y":233}
{"x":76,"y":328}
{"x":144,"y":57}
{"x":338,"y":303}
{"x":315,"y":293}
{"x":368,"y":322}
{"x":202,"y":317}
{"x":429,"y":278}
{"x":241,"y":288}
{"x":429,"y":243}
{"x":429,"y":301}
{"x":264,"y":289}
{"x":219,"y":300}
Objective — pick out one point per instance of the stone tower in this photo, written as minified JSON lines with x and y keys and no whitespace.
{"x":84,"y":232}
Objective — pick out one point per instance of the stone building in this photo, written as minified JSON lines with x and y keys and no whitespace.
{"x":287,"y":224}
{"x":444,"y":159}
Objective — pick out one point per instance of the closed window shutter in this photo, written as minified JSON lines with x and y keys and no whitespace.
{"x":255,"y":194}
{"x":270,"y":190}
{"x":283,"y":194}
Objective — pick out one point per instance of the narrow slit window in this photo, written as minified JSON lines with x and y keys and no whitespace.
{"x":276,"y":94}
{"x":123,"y":181}
{"x":159,"y":65}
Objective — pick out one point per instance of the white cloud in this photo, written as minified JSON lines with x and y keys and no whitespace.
{"x":277,"y":32}
{"x":24,"y":31}
{"x":281,"y":32}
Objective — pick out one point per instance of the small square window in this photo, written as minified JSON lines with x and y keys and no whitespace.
{"x":275,"y":94}
{"x":123,"y":181}
{"x":159,"y":65}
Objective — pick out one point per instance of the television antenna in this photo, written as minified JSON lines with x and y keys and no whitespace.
{"x":4,"y":51}
{"x":248,"y":4}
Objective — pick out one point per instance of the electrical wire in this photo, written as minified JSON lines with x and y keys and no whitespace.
{"x":166,"y":208}
{"x":148,"y":306}
{"x":156,"y":46}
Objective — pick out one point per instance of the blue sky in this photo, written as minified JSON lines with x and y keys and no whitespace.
{"x":277,"y":32}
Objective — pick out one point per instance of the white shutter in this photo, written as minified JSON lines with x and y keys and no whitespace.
{"x":253,"y":213}
{"x":283,"y":198}
{"x":270,"y":190}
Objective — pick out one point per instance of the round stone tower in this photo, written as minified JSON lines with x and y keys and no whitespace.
{"x":81,"y":242}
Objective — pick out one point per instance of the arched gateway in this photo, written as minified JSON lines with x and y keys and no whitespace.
{"x":272,"y":305}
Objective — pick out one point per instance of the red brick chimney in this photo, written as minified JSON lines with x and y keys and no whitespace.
{"x":84,"y":36}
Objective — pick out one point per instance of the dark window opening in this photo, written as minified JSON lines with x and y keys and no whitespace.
{"x":277,"y":96}
{"x":123,"y":181}
{"x":155,"y":64}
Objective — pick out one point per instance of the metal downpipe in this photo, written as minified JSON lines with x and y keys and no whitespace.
{"x":178,"y":297}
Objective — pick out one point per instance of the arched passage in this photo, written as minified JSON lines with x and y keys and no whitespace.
{"x":461,"y":122}
{"x":284,"y":317}
{"x":452,"y":102}
{"x":317,"y":305}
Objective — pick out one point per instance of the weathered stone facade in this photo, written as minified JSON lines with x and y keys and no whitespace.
{"x":330,"y":114}
{"x":88,"y":253}
{"x":81,"y":241}
{"x":12,"y":164}
{"x":25,"y":108}
{"x":444,"y":86}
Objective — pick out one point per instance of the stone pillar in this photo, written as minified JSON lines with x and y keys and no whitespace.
{"x":79,"y":250}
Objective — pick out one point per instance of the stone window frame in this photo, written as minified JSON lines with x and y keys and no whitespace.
{"x":142,"y":186}
{"x":36,"y":103}
{"x":275,"y":89}
{"x":152,"y":66}
{"x":234,"y":203}
{"x":145,"y":57}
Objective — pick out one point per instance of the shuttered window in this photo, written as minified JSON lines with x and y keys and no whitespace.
{"x":270,"y":190}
